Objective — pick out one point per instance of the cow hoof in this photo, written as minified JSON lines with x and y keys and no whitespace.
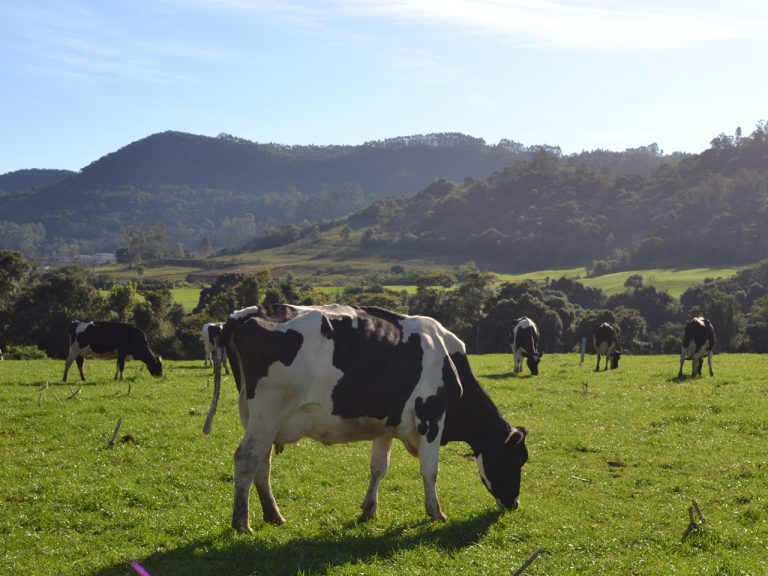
{"x":439,"y":517}
{"x":274,"y":518}
{"x":246,"y":529}
{"x":369,"y":512}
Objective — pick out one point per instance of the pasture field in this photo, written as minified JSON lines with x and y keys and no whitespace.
{"x":615,"y":460}
{"x":187,"y":296}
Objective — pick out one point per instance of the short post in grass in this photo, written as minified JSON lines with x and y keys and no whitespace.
{"x":114,"y":434}
{"x":527,"y":563}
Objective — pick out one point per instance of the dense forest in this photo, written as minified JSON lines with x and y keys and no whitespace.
{"x":211,"y":193}
{"x":36,"y":307}
{"x":224,"y":190}
{"x":707,"y":209}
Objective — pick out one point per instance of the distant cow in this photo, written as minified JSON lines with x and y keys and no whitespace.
{"x":698,"y":341}
{"x":524,"y":341}
{"x":342,"y":374}
{"x":210,"y":335}
{"x":109,"y":340}
{"x":605,"y":342}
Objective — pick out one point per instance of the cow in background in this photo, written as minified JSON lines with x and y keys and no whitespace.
{"x":109,"y":340}
{"x":210,"y":335}
{"x":698,"y":341}
{"x":524,"y":341}
{"x":606,"y":344}
{"x":342,"y":374}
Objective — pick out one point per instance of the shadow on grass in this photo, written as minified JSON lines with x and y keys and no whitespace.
{"x":236,"y":555}
{"x":506,"y":375}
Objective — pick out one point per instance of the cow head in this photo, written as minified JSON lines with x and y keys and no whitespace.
{"x":615,"y":356}
{"x":533,"y":362}
{"x":500,"y":462}
{"x":155,"y":366}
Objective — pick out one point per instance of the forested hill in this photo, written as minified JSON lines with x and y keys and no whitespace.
{"x":226,"y":189}
{"x":27,"y":180}
{"x":706,"y":209}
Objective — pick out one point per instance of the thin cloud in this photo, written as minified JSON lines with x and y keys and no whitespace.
{"x":580,"y":25}
{"x":77,"y":43}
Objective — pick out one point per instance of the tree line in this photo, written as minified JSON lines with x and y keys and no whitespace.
{"x":36,"y":307}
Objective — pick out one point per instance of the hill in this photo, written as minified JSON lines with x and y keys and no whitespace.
{"x":27,"y":180}
{"x":223,"y":190}
{"x":710,"y":209}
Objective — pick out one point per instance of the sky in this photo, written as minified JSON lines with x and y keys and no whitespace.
{"x":80,"y":79}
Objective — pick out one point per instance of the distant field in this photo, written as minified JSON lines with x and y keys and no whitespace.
{"x":674,"y":281}
{"x":188,"y":297}
{"x":616,"y":459}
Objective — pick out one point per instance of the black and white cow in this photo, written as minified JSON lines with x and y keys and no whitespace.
{"x":210,"y":335}
{"x":698,"y":342}
{"x":524,"y":341}
{"x":109,"y":340}
{"x":341,"y":374}
{"x":605,"y":342}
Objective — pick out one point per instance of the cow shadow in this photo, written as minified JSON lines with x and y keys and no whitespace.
{"x":235,"y":555}
{"x":507,"y":375}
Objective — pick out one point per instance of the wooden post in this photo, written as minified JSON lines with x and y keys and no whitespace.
{"x":527,"y":563}
{"x":114,"y":434}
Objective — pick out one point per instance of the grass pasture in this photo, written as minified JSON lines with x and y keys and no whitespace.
{"x":615,"y":459}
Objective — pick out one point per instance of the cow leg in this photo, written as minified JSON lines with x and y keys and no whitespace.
{"x":120,"y":367}
{"x":252,"y":465}
{"x":73,"y":355}
{"x":428,"y":453}
{"x":597,"y":368}
{"x":699,"y":364}
{"x":270,"y":511}
{"x":380,"y":452}
{"x":682,"y":362}
{"x":80,"y":361}
{"x":518,"y":358}
{"x":709,"y":359}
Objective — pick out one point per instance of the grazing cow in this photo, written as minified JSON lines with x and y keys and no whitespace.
{"x":342,"y":374}
{"x":698,"y":341}
{"x":210,"y":335}
{"x":524,"y":341}
{"x":605,"y":342}
{"x":109,"y":340}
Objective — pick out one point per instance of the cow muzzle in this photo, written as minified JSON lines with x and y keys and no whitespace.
{"x":513,"y":506}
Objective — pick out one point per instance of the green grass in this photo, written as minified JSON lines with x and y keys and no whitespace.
{"x":615,"y":460}
{"x":674,"y":281}
{"x":187,"y":296}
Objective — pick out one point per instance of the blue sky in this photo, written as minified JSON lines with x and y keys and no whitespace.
{"x":82,"y":78}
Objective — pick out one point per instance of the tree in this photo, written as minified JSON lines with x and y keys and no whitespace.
{"x":41,"y":315}
{"x":121,"y":299}
{"x":633,"y":281}
{"x":14,"y":270}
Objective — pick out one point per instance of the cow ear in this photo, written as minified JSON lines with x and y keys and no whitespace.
{"x":519,"y":435}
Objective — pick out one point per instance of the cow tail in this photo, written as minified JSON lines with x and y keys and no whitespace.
{"x":217,"y":359}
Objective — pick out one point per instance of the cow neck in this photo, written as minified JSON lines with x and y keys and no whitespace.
{"x":473,"y":418}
